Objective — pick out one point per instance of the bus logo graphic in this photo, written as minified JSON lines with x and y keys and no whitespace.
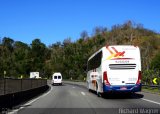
{"x":114,"y":53}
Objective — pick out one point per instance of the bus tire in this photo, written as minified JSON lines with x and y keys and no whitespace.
{"x":88,"y":87}
{"x":103,"y":95}
{"x":98,"y":93}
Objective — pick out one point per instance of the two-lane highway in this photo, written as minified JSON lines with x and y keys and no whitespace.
{"x":71,"y":99}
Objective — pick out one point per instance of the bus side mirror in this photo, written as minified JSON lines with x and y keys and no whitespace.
{"x":85,"y":69}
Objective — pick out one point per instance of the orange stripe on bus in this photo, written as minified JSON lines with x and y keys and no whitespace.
{"x":122,"y":54}
{"x":117,"y":54}
{"x":109,"y":50}
{"x":114,"y":49}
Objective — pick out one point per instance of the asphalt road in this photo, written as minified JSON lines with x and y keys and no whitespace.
{"x":75,"y":99}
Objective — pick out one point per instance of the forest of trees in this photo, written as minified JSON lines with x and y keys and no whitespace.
{"x":70,"y":58}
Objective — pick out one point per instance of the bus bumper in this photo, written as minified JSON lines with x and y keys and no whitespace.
{"x":122,"y":88}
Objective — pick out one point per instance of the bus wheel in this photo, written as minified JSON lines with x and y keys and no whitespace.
{"x":98,"y":93}
{"x":103,"y":95}
{"x":88,"y":87}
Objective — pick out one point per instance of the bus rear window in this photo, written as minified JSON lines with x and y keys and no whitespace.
{"x":59,"y":77}
{"x":55,"y":77}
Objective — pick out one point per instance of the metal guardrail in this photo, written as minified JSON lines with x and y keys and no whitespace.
{"x":9,"y":86}
{"x":152,"y":86}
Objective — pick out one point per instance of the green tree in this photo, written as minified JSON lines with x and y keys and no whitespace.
{"x":21,"y":59}
{"x":38,"y":56}
{"x":155,"y":64}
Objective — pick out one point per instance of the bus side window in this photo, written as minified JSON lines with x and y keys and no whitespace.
{"x":95,"y":62}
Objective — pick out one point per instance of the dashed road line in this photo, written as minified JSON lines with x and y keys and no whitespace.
{"x":83,"y":93}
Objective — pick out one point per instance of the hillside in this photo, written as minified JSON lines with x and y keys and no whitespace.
{"x":70,"y":58}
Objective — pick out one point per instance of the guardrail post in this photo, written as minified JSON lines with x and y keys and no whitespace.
{"x":31,"y":83}
{"x":4,"y":86}
{"x":41,"y":82}
{"x":21,"y":84}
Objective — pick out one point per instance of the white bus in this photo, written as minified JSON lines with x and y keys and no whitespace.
{"x":114,"y":68}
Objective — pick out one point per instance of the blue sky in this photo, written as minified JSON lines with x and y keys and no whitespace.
{"x":55,"y":20}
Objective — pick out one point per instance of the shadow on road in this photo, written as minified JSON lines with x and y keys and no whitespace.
{"x":122,"y":96}
{"x":58,"y":85}
{"x":117,"y":95}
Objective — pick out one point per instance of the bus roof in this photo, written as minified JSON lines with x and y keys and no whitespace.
{"x":110,"y":46}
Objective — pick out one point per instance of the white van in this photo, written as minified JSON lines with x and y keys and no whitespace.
{"x":57,"y":78}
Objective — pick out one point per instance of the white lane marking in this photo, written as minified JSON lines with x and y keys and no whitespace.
{"x":83,"y":93}
{"x":30,"y":102}
{"x":150,"y":101}
{"x":73,"y":87}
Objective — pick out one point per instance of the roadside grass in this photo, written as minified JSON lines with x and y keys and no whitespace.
{"x":151,"y":90}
